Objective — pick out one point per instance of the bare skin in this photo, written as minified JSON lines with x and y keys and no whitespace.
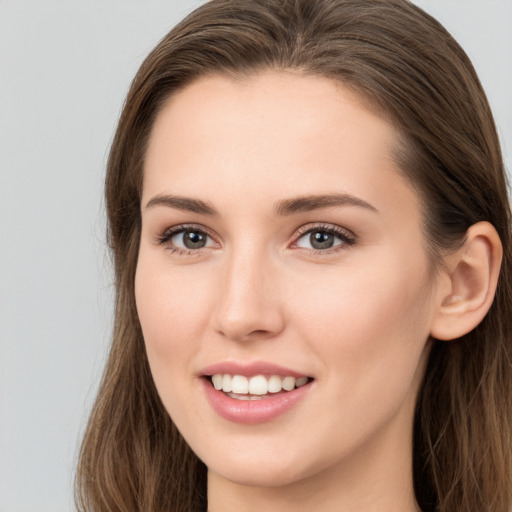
{"x":230,"y":163}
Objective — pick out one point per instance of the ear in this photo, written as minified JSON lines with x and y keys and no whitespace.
{"x":472,"y":276}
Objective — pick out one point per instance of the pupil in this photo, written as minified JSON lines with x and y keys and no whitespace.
{"x":321,"y":240}
{"x":194,"y":240}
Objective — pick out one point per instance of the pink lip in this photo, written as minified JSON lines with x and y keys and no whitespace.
{"x":249,"y":369}
{"x":252,"y":411}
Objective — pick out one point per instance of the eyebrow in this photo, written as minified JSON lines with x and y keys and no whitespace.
{"x":315,"y":202}
{"x":284,"y":207}
{"x":183,"y":203}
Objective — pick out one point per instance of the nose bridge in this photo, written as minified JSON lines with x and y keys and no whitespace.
{"x":248,"y":301}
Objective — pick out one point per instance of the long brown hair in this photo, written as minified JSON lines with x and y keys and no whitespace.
{"x":406,"y":67}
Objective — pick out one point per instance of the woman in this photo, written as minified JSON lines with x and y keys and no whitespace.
{"x":311,"y":234}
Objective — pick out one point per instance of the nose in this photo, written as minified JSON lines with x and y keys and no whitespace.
{"x":249,"y":304}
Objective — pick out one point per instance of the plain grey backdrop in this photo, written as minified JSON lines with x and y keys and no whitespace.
{"x":65,"y":67}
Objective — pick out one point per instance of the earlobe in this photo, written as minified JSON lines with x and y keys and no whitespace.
{"x":473,"y":276}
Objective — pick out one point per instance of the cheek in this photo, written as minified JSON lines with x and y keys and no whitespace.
{"x":371,"y":326}
{"x":370,"y":336}
{"x":168,"y":305}
{"x":350,"y":302}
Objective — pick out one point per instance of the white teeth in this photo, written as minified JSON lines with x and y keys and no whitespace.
{"x":301,"y":381}
{"x":226,"y":383}
{"x":257,"y":385}
{"x":288,"y":383}
{"x":240,"y":385}
{"x":217,"y":380}
{"x":274,"y":384}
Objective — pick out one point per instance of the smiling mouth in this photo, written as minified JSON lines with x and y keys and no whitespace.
{"x":258,"y":387}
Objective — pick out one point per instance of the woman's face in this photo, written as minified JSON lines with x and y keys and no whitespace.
{"x":280,"y":241}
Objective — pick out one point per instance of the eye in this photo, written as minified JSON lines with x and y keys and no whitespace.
{"x":190,"y":239}
{"x":323,"y":238}
{"x":186,"y":238}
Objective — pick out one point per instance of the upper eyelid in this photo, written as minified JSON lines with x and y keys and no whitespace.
{"x":186,"y":226}
{"x":334,"y":228}
{"x":169,"y":232}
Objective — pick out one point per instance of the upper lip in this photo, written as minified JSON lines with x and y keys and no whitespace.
{"x":250,"y":369}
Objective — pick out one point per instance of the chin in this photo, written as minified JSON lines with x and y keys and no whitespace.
{"x":260,"y":476}
{"x":265,"y":470}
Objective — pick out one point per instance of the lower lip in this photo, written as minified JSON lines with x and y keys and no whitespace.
{"x":253,"y":411}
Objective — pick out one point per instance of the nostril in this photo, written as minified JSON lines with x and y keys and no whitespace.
{"x":243,"y":335}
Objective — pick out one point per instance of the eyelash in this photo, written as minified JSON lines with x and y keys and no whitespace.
{"x":346,"y":237}
{"x":165,"y":237}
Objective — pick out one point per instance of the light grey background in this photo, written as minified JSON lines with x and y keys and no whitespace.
{"x":65,"y":67}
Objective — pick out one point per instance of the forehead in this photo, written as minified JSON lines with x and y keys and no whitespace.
{"x":271,"y":135}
